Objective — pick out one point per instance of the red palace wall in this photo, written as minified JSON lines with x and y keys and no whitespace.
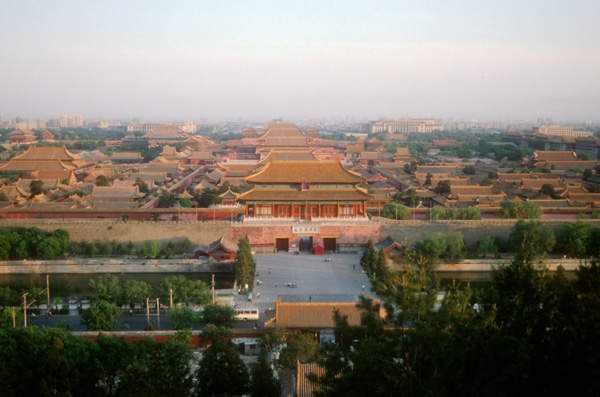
{"x":345,"y":235}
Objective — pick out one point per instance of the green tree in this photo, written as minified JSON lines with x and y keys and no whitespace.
{"x":142,"y":185}
{"x":6,"y":317}
{"x":186,"y":244}
{"x":512,"y":209}
{"x":184,"y":290}
{"x":436,"y":213}
{"x":369,"y":257}
{"x":100,"y":316}
{"x":486,"y":247}
{"x":456,"y":247}
{"x":167,"y":200}
{"x":9,"y":297}
{"x":408,"y":197}
{"x":220,"y":316}
{"x":574,"y":238}
{"x":209,"y":197}
{"x":150,"y":249}
{"x":302,"y":348}
{"x":443,"y":187}
{"x":160,"y":369}
{"x":185,"y":203}
{"x":469,"y":170}
{"x":530,"y":241}
{"x":107,"y":288}
{"x":135,"y":292}
{"x":244,"y":265}
{"x":183,"y":318}
{"x":381,"y":265}
{"x":431,"y":248}
{"x":64,"y":239}
{"x":36,"y":187}
{"x":273,"y":338}
{"x":221,"y":372}
{"x":49,"y":248}
{"x":102,"y":180}
{"x":547,"y":189}
{"x":396,"y":211}
{"x":263,"y":383}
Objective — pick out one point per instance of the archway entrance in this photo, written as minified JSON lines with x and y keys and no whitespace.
{"x":329,"y":244}
{"x":306,"y":243}
{"x":282,"y":244}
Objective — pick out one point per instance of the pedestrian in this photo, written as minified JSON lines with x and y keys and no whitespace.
{"x":353,"y":267}
{"x":363,"y":287}
{"x":269,"y":270}
{"x":276,"y":283}
{"x":258,"y":295}
{"x":310,"y":298}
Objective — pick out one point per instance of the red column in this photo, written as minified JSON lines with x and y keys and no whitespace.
{"x":292,"y":209}
{"x":338,"y":210}
{"x":319,"y":209}
{"x":246,"y":210}
{"x":273,"y":209}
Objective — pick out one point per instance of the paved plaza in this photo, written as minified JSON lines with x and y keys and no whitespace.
{"x":338,"y":280}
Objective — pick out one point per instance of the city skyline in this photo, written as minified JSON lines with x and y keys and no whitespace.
{"x":508,"y":61}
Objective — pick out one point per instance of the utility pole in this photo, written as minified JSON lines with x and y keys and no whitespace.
{"x":148,"y":309}
{"x":48,"y":292}
{"x":13,"y":315}
{"x":170,"y":298}
{"x":158,"y":312}
{"x":213,"y":288}
{"x":25,"y":305}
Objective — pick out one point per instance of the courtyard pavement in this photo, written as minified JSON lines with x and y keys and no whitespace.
{"x":339,"y":280}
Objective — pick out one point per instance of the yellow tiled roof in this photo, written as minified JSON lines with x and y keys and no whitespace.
{"x":304,"y":171}
{"x":307,"y":195}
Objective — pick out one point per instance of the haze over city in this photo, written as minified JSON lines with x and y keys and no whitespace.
{"x":301,"y":60}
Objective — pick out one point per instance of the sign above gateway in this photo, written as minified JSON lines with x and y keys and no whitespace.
{"x":305,"y":229}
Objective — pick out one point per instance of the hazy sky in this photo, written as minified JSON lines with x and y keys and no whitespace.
{"x":303,"y":59}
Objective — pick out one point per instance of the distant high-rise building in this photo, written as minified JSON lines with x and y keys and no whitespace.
{"x":40,"y":124}
{"x":63,"y":121}
{"x":53,"y":123}
{"x":403,"y":125}
{"x":558,"y":130}
{"x":1,"y":118}
{"x":76,"y":121}
{"x":136,"y":121}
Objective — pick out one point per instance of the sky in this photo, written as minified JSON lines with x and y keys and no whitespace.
{"x":259,"y":60}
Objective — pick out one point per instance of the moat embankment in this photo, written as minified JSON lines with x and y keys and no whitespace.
{"x":103,"y":265}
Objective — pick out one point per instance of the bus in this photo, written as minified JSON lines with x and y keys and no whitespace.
{"x":246,"y":313}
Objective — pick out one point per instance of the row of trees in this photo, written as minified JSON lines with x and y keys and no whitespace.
{"x":527,"y":240}
{"x":527,"y":332}
{"x":132,"y":292}
{"x":25,"y":243}
{"x":22,"y":243}
{"x":45,"y":362}
{"x":149,"y":248}
{"x":441,"y":213}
